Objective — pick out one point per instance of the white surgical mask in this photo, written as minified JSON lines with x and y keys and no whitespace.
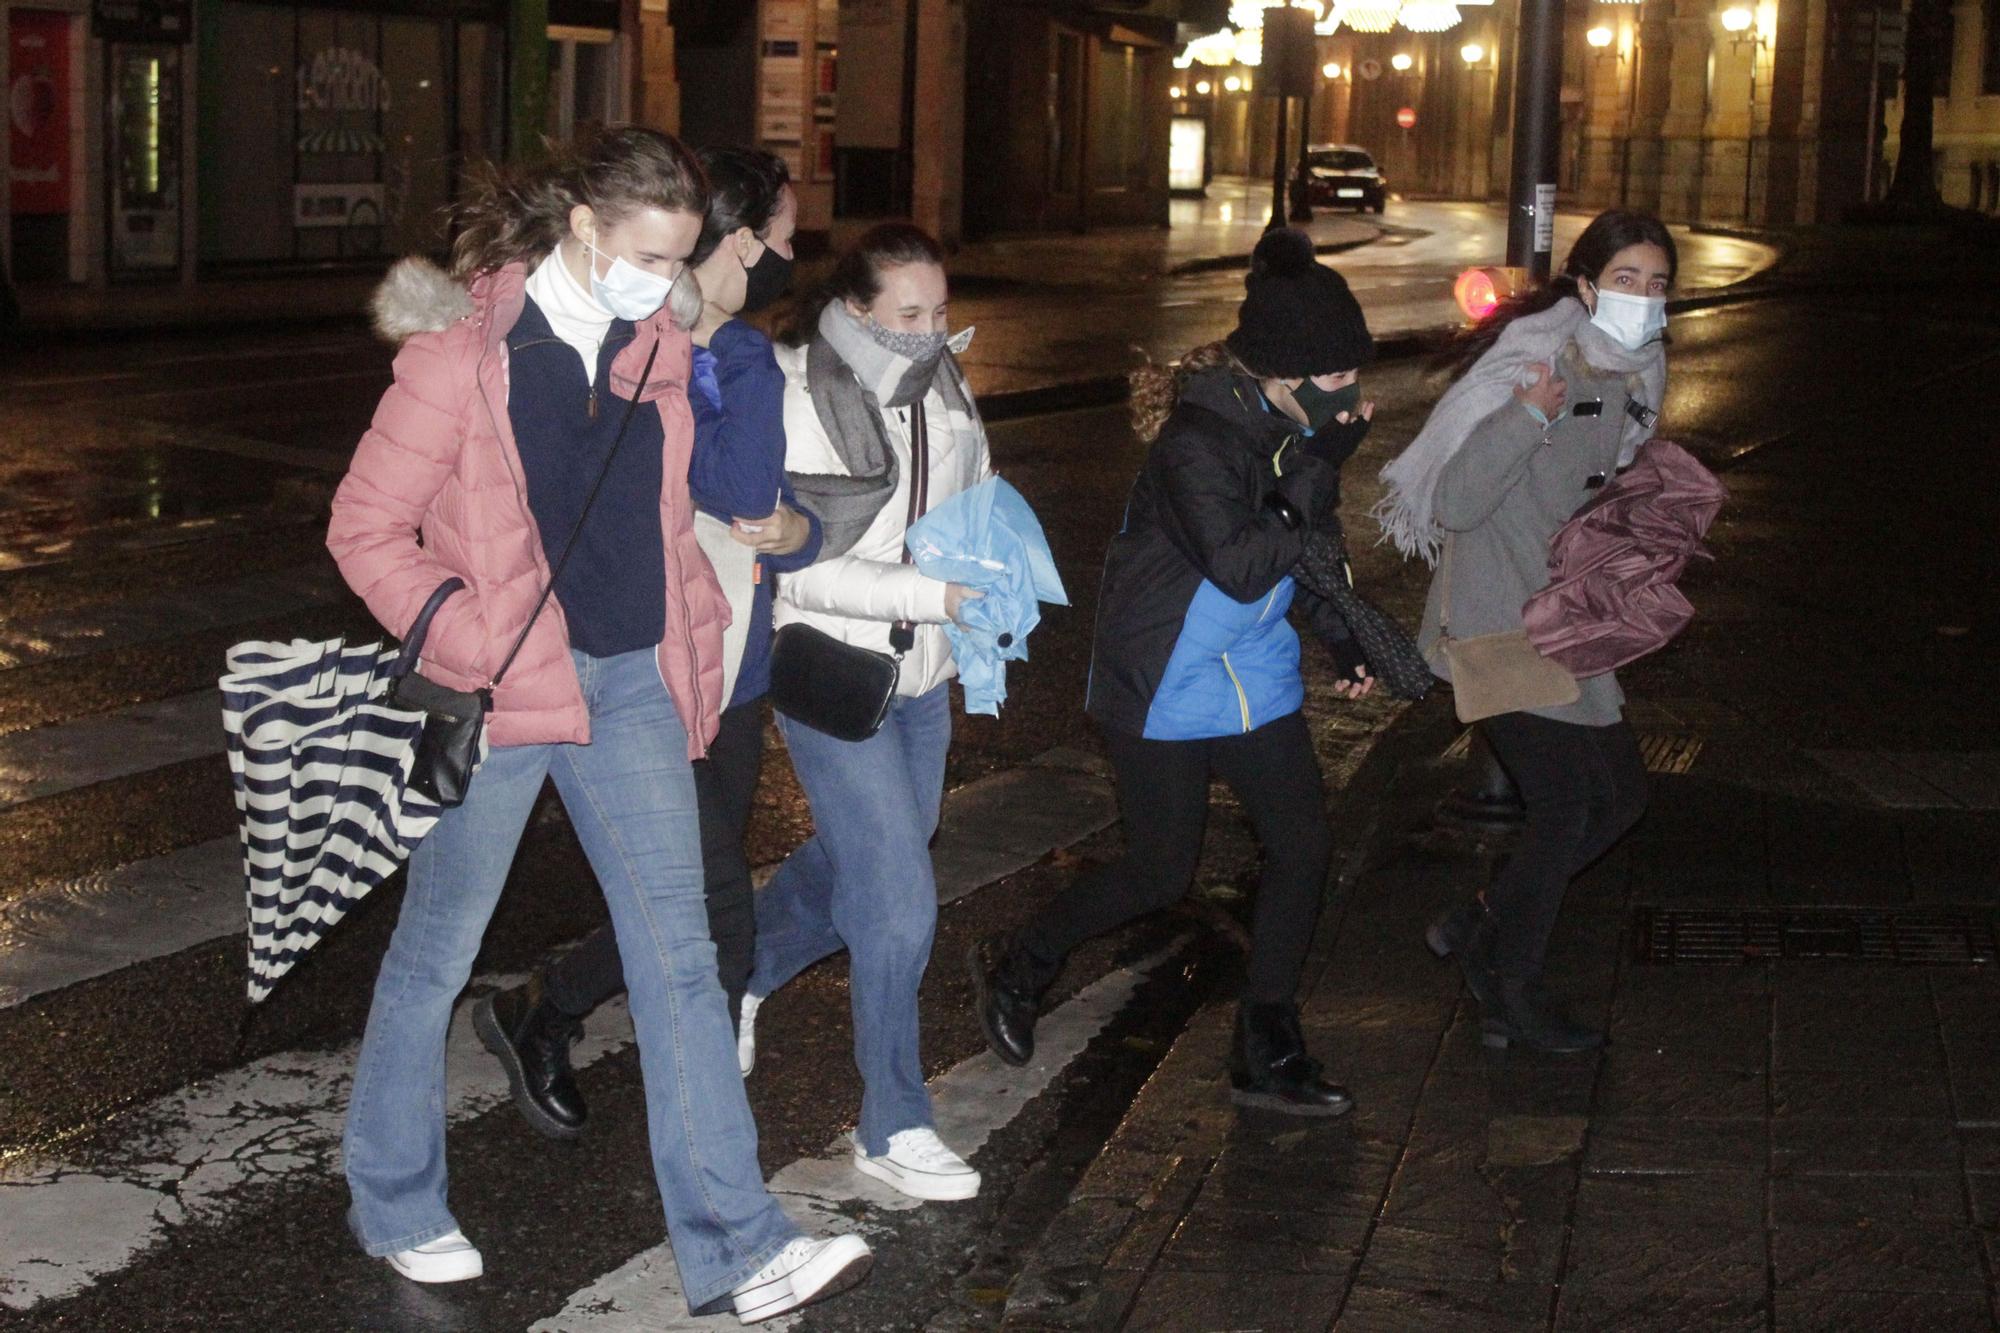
{"x":1633,"y":320}
{"x":626,"y":290}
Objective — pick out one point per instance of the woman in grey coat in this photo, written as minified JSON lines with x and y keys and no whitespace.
{"x":1557,"y":393}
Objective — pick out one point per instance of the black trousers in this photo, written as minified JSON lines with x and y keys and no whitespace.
{"x":1163,"y":799}
{"x":725,"y":785}
{"x":1584,"y":787}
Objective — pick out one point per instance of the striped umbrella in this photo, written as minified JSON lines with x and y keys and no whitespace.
{"x":320,"y":762}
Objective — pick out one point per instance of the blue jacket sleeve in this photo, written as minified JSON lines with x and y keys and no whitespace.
{"x":805,"y":555}
{"x":738,"y":467}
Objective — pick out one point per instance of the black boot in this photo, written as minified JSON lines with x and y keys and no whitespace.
{"x":1269,"y":1067}
{"x":1525,"y":1014}
{"x":1453,"y":931}
{"x":1474,"y":951}
{"x":1007,"y":985}
{"x":531,"y":1038}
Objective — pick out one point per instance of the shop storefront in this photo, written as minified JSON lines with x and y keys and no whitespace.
{"x":330,"y":134}
{"x":41,"y":103}
{"x":590,"y":75}
{"x":98,"y":135}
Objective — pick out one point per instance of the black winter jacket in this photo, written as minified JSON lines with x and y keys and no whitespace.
{"x":1202,"y":513}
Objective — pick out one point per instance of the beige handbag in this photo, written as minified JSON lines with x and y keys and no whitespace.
{"x":1497,"y":673}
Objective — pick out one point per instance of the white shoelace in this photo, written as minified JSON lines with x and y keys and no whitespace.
{"x":922,"y":1147}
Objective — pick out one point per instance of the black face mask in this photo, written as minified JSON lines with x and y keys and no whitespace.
{"x":766,"y":280}
{"x":1321,"y":406}
{"x":1331,"y":441}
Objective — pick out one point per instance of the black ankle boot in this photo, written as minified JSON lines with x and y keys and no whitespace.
{"x":1269,"y":1067}
{"x":1474,"y":952}
{"x":1525,"y":1014}
{"x":1453,"y":931}
{"x":531,"y":1038}
{"x":1007,"y":983}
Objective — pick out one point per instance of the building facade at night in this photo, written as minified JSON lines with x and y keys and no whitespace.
{"x":175,"y":139}
{"x":1700,"y":110}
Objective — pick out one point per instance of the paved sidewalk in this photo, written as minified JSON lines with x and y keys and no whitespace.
{"x":1797,"y":1142}
{"x":1219,"y":230}
{"x":1800,"y":1132}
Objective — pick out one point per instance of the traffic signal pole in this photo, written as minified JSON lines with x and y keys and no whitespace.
{"x":1531,"y":199}
{"x":1278,"y":158}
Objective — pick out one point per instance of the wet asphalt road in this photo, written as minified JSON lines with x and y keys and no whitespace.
{"x":196,"y":469}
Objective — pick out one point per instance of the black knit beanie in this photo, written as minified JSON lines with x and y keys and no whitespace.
{"x":1298,"y":318}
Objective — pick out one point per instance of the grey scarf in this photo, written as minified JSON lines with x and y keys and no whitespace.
{"x":1405,"y":511}
{"x":852,"y":376}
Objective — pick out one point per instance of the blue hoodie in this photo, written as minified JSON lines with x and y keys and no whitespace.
{"x":738,"y":469}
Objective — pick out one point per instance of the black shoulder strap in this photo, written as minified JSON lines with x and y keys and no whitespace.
{"x":903,"y":634}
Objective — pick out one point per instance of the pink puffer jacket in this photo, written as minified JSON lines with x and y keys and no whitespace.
{"x":440,"y":460}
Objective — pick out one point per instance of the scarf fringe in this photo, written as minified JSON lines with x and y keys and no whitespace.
{"x":1405,"y":513}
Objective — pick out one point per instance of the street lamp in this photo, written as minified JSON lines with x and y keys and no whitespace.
{"x":1472,"y":53}
{"x":1175,"y":94}
{"x":1599,"y":39}
{"x":1231,"y":84}
{"x":1204,"y":88}
{"x":1330,"y":69}
{"x":1740,"y":22}
{"x":1401,"y":62}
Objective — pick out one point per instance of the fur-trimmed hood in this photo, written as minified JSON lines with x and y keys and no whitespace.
{"x":417,"y":297}
{"x":435,"y":491}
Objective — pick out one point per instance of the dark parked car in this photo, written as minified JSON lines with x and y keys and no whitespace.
{"x":1340,"y":175}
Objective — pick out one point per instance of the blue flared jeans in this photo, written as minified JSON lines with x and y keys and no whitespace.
{"x":630,"y":796}
{"x":863,"y":882}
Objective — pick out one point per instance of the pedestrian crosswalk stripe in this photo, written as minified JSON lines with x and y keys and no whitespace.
{"x":173,"y":613}
{"x":60,"y":933}
{"x":50,"y":760}
{"x":200,"y":1154}
{"x":57,"y":934}
{"x":971,"y":1101}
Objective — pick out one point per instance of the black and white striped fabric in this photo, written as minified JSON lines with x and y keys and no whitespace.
{"x":320,"y":763}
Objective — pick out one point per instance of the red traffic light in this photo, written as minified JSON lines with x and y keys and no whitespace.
{"x":1479,"y":291}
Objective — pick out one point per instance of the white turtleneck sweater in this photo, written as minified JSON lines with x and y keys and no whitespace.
{"x":570,"y":309}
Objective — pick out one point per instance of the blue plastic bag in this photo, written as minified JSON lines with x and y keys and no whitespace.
{"x":988,"y":538}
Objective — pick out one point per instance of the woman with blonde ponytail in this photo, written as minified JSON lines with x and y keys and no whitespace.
{"x":529,"y":466}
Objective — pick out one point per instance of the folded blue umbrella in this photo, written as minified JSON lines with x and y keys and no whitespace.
{"x":988,"y":538}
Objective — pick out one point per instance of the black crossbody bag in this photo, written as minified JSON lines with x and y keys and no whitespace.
{"x":448,"y":751}
{"x":840,"y":688}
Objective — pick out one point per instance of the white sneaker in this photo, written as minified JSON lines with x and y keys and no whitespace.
{"x":746,"y":1033}
{"x":449,"y":1258}
{"x":919,"y":1165}
{"x":805,"y":1271}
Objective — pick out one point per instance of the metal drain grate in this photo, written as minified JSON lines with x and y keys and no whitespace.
{"x":1669,"y":752}
{"x":1915,"y":937}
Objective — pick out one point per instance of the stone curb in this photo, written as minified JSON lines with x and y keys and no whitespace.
{"x":1110,"y":390}
{"x":1088,"y":1267}
{"x":1222,"y":263}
